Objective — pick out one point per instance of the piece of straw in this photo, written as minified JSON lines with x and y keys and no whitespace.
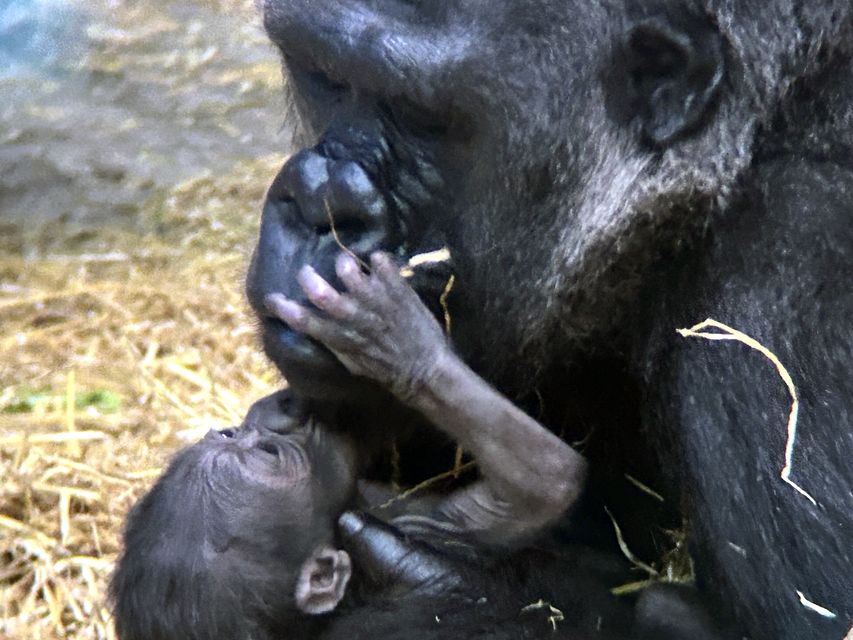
{"x":698,"y":331}
{"x":555,"y":615}
{"x":811,"y":606}
{"x":626,"y":551}
{"x":420,"y":259}
{"x":337,"y":238}
{"x":73,"y":445}
{"x":645,"y":489}
{"x":428,"y":484}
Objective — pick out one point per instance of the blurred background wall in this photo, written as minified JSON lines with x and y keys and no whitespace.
{"x":104,"y":103}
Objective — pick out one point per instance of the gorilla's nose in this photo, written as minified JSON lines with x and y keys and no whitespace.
{"x":337,"y":198}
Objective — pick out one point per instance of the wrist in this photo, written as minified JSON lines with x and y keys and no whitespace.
{"x":431,"y":383}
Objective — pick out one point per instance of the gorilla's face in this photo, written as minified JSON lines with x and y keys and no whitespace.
{"x":429,"y":124}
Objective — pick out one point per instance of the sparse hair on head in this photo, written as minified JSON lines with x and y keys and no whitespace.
{"x":195,"y":568}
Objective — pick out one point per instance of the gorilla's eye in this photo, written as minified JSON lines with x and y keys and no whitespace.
{"x":323,"y":82}
{"x":217,"y":435}
{"x":268,"y":447}
{"x":406,"y":114}
{"x":316,"y":87}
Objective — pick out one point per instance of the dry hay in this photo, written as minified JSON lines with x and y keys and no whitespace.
{"x":108,"y":362}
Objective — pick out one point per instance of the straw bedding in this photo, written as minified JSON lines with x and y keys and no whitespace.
{"x":112,"y":355}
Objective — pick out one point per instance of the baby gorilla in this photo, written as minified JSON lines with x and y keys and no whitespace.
{"x":236,"y":539}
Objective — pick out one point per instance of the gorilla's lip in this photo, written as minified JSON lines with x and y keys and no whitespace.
{"x":299,"y":346}
{"x":310,"y":369}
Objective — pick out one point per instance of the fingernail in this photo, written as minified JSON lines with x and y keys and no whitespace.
{"x":380,"y":259}
{"x":312,"y":282}
{"x":350,"y":523}
{"x":315,"y":286}
{"x":284,"y":308}
{"x":346,"y":264}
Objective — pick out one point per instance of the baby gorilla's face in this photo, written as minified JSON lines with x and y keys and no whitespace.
{"x":239,"y":527}
{"x":279,"y":482}
{"x":300,"y":476}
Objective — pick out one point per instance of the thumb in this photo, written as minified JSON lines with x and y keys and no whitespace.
{"x":387,"y":558}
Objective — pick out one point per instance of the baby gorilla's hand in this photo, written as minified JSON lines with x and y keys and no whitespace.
{"x":378,"y":328}
{"x":388,"y":559}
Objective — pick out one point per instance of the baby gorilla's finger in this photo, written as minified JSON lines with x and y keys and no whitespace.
{"x":388,"y":274}
{"x":394,"y":287}
{"x":285,"y":310}
{"x":323,"y":295}
{"x":304,"y":321}
{"x":350,"y":273}
{"x":383,"y":265}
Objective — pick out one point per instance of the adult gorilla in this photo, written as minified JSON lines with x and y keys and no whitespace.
{"x":604,"y":173}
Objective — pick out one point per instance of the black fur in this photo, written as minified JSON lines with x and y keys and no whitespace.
{"x":208,"y":556}
{"x":605,"y":173}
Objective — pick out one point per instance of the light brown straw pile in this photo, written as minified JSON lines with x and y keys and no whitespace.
{"x":110,"y":360}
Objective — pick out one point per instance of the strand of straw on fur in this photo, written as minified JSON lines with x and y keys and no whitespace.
{"x":555,"y":615}
{"x":812,"y":606}
{"x":729,"y":333}
{"x":698,"y":331}
{"x":427,"y":484}
{"x":623,"y":546}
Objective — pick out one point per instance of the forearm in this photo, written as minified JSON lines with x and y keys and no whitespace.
{"x":526,"y":468}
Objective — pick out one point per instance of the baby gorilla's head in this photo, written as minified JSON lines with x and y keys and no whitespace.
{"x":236,"y":538}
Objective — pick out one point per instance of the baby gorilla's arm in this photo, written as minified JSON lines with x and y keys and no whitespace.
{"x":380,"y":329}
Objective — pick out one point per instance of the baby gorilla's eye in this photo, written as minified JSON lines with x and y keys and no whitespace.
{"x":215,"y":435}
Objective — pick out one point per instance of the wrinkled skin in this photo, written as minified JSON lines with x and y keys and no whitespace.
{"x":604,"y":174}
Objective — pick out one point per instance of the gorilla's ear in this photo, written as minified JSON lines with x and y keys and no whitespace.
{"x":676,"y":67}
{"x":323,"y":580}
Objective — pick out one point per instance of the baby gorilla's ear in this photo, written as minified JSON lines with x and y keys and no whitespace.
{"x":323,"y":580}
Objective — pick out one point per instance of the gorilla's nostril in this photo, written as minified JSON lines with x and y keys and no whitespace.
{"x":340,"y":193}
{"x":306,"y":178}
{"x":352,"y":193}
